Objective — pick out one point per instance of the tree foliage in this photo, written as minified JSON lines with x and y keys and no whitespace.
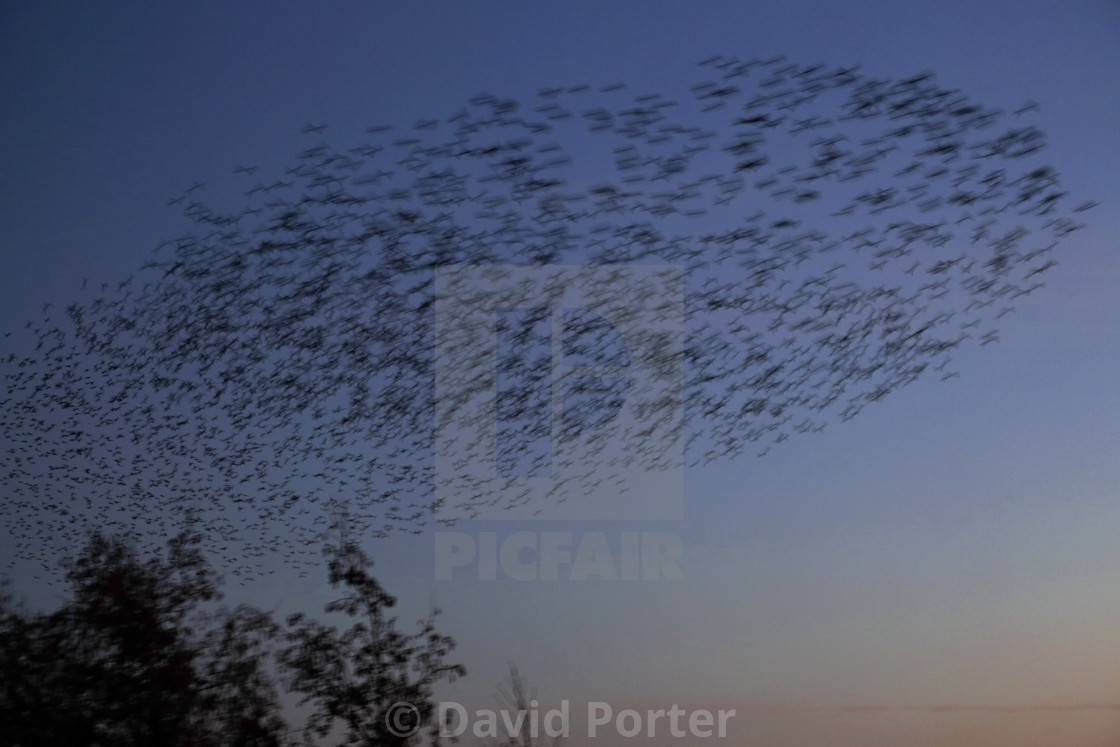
{"x":136,"y":658}
{"x":140,"y":655}
{"x":374,"y":679}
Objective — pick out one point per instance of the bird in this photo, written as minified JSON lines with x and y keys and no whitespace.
{"x":281,"y":364}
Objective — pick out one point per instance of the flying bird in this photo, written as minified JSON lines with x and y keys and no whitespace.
{"x":282,"y":364}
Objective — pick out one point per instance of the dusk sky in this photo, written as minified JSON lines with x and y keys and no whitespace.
{"x":942,"y":569}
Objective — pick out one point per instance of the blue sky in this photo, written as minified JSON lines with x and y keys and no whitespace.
{"x":952,"y":546}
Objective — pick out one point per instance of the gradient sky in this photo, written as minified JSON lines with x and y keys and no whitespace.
{"x":941,"y":570}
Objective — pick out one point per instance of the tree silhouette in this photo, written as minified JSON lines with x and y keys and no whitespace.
{"x":835,"y":237}
{"x":372,"y":678}
{"x":515,"y":697}
{"x":139,"y":656}
{"x":134,"y":658}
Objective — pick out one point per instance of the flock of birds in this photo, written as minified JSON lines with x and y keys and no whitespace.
{"x":838,"y":236}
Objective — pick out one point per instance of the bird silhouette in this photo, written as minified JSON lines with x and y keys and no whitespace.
{"x":837,"y":236}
